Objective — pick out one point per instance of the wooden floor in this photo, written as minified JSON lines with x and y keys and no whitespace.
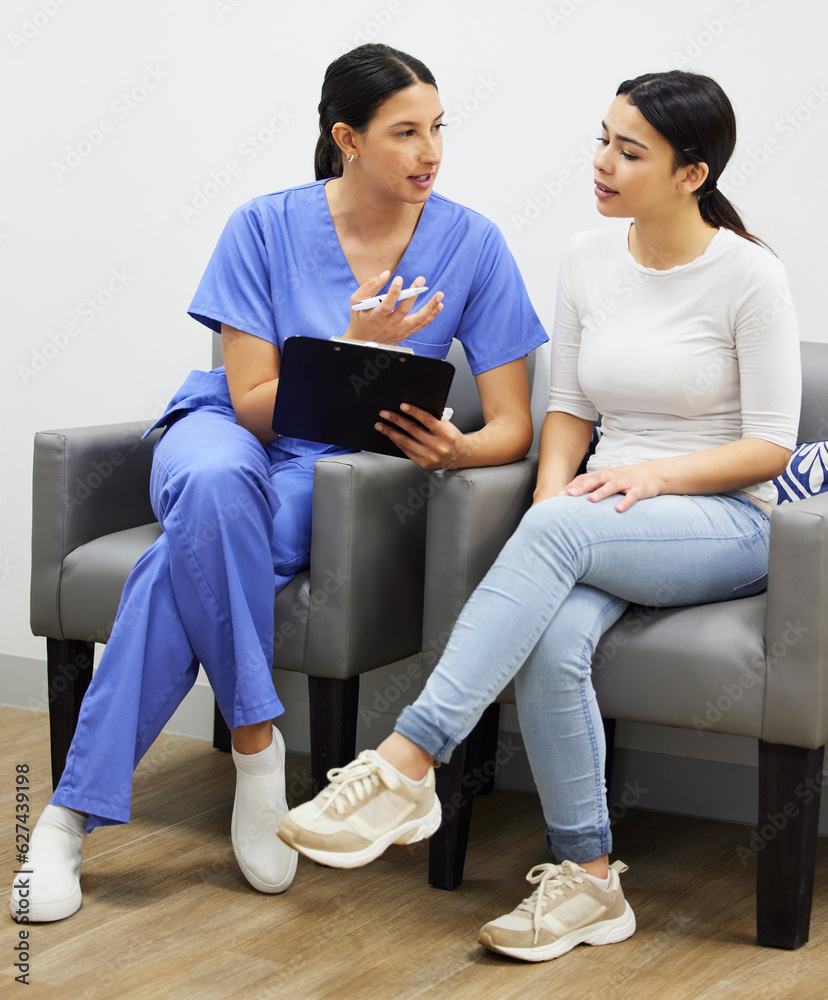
{"x":167,"y":914}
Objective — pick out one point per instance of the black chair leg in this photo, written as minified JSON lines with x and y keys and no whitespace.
{"x":790,"y":780}
{"x":483,"y":749}
{"x":69,"y":668}
{"x":333,"y":721}
{"x":447,"y":847}
{"x":221,"y":731}
{"x":471,"y":771}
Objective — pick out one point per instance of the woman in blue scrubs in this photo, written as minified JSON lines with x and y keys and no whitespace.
{"x":234,"y":499}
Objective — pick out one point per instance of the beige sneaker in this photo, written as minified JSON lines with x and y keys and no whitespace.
{"x":566,"y":909}
{"x":366,"y":807}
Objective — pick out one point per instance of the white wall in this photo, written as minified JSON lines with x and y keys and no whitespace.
{"x":118,"y":117}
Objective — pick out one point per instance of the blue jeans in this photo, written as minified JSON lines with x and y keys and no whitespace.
{"x":566,"y":575}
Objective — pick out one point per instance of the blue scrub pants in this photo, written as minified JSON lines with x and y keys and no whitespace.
{"x":565,"y":576}
{"x":237,"y":525}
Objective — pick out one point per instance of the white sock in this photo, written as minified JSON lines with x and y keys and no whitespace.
{"x":413,"y":782}
{"x":604,"y":883}
{"x":264,"y":762}
{"x":63,"y":818}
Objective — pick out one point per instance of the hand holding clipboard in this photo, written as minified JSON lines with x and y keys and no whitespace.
{"x":332,"y":391}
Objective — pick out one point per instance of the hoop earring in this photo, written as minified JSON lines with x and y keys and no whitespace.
{"x":350,"y":157}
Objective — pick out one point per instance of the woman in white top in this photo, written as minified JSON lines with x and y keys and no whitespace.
{"x":679,"y":330}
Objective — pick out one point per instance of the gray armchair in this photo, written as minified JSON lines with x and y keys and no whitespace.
{"x":762,"y":660}
{"x":360,"y":601}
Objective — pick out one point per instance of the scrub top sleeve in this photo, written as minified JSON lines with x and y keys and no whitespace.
{"x":236,"y":287}
{"x":499,"y":323}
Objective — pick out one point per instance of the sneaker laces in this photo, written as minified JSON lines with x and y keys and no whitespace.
{"x":356,"y":781}
{"x":551,"y":880}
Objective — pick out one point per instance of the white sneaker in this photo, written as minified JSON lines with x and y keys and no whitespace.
{"x":267,"y":863}
{"x":567,"y":908}
{"x":367,"y":806}
{"x":51,"y":889}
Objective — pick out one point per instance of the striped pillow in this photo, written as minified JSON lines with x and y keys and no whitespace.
{"x":806,"y":474}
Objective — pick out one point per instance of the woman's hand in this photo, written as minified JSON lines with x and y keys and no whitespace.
{"x":385,"y":324}
{"x":437,"y":444}
{"x":726,"y":467}
{"x":636,"y":482}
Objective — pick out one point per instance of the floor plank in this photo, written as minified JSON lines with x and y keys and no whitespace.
{"x":167,"y":914}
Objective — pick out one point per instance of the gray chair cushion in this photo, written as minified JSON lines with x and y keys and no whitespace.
{"x":93,"y":577}
{"x":700,"y":667}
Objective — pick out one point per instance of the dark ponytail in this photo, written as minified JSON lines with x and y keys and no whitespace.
{"x":694,"y":115}
{"x":354,"y":87}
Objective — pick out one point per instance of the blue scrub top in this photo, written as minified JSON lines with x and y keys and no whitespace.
{"x":279,"y":270}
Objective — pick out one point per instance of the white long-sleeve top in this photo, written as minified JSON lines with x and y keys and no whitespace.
{"x":680,"y":360}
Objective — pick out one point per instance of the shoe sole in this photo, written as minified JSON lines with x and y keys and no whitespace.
{"x":47,"y":913}
{"x":407,"y":833}
{"x":267,"y":887}
{"x":605,"y":932}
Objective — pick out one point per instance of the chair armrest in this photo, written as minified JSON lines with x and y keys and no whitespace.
{"x":87,"y":482}
{"x":796,"y":633}
{"x":471,"y":516}
{"x":367,"y":563}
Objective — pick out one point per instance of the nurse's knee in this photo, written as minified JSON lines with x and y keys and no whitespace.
{"x":223,"y":480}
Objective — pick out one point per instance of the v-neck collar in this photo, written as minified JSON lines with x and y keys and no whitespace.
{"x":333,"y":237}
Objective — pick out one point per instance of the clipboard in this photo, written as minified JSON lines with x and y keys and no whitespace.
{"x":331,"y":391}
